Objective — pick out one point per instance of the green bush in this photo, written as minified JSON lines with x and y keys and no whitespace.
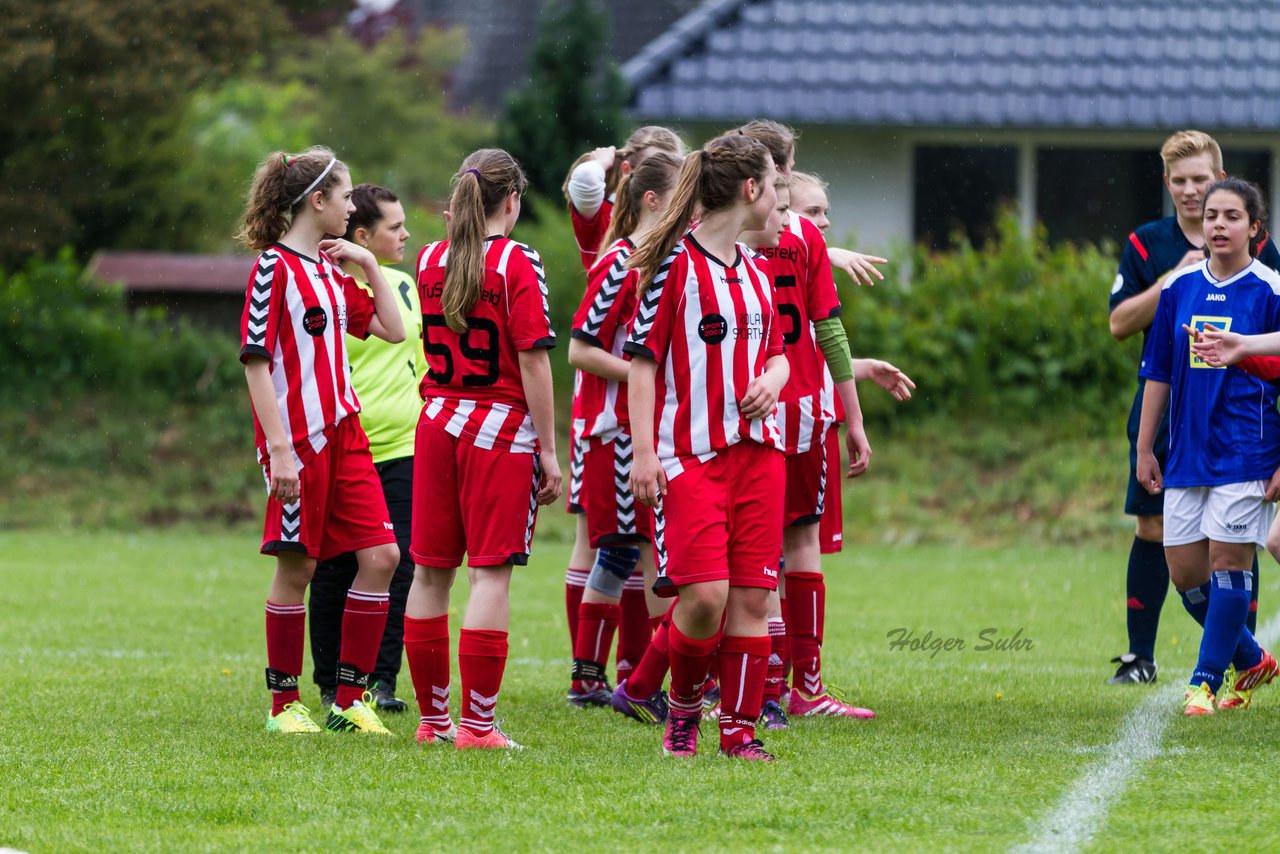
{"x":65,"y":336}
{"x":1015,"y":330}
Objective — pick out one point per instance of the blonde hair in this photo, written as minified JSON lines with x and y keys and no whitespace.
{"x":657,"y":173}
{"x":280,"y":179}
{"x":482,"y":184}
{"x":649,"y":136}
{"x":809,"y":178}
{"x":709,"y":181}
{"x":1189,"y":143}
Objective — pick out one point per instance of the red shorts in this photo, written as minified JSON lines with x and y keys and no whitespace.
{"x":573,"y":496}
{"x":831,"y":528}
{"x":340,"y":507}
{"x":469,"y":500}
{"x":806,"y":486}
{"x":722,"y":519}
{"x":614,"y":517}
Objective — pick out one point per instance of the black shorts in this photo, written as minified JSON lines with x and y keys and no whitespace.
{"x":1139,"y":502}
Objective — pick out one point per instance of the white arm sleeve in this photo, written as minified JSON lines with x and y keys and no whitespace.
{"x":586,"y":188}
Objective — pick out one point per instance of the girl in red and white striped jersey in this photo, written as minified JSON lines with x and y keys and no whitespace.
{"x":485,"y":456}
{"x":809,"y":199}
{"x":590,"y":188}
{"x":593,"y":181}
{"x":818,"y":351}
{"x":324,"y":497}
{"x":707,"y":368}
{"x":615,"y":523}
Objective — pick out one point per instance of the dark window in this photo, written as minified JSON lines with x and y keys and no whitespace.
{"x":1094,"y":194}
{"x":1252,"y":165}
{"x":959,"y":190}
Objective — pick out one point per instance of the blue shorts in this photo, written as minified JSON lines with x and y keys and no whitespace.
{"x":1139,"y":502}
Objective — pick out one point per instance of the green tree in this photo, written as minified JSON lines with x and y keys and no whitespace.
{"x":573,"y":98}
{"x":381,"y":108}
{"x":92,"y":97}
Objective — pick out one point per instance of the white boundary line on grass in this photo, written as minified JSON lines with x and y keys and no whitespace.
{"x":1081,"y":812}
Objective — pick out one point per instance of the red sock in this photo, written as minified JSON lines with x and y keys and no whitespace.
{"x":597,"y":622}
{"x":742,"y":666}
{"x":646,"y":679}
{"x":363,"y":621}
{"x":426,"y":645}
{"x":575,"y":582}
{"x":806,"y":610}
{"x":786,"y":646}
{"x":773,"y":673}
{"x":482,"y":656}
{"x":633,"y":629}
{"x":690,"y":658}
{"x":286,"y":636}
{"x":713,"y":666}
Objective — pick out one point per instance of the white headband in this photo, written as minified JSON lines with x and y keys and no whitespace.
{"x":316,"y":182}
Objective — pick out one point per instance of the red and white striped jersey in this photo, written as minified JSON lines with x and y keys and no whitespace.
{"x":296,"y":311}
{"x":473,"y":386}
{"x":589,"y":232}
{"x":603,"y":320}
{"x":805,"y":292}
{"x":711,"y":327}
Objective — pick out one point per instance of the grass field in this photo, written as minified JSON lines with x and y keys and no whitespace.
{"x":134,"y":706}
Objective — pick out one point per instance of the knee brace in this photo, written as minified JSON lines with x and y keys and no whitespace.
{"x":612,"y":568}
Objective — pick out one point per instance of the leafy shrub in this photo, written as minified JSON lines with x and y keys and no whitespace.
{"x":1014,"y":330}
{"x":64,"y":336}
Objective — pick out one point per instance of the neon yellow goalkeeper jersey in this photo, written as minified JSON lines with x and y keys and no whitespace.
{"x":386,"y":376}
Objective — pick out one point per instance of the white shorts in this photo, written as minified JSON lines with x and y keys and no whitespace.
{"x":1231,"y":513}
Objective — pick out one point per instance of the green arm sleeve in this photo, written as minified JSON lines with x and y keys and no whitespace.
{"x":835,"y":347}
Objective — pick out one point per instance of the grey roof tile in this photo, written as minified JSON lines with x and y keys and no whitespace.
{"x":1017,"y":63}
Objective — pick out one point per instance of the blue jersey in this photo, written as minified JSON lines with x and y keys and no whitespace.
{"x":1223,"y":423}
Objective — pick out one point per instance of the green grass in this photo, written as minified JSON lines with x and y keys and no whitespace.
{"x":134,"y":708}
{"x":124,"y":463}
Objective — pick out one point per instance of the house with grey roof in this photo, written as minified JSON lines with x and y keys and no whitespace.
{"x":499,"y":34}
{"x":927,"y":115}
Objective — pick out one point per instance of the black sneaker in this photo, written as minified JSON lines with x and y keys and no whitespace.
{"x":328,"y":696}
{"x":385,"y":699}
{"x":1133,"y":671}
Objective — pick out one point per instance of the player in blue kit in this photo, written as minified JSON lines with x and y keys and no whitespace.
{"x":1224,"y":443}
{"x":1192,"y":161}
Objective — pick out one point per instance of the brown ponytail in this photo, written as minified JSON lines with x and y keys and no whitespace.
{"x":280,"y":179}
{"x":642,"y":139}
{"x":483,"y":183}
{"x":658,"y":173}
{"x":709,"y":181}
{"x":777,"y":137}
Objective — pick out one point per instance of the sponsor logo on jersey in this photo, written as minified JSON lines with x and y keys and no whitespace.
{"x":1215,"y":298}
{"x":1198,"y":323}
{"x":785,"y":253}
{"x":315,"y":321}
{"x":713,"y":328}
{"x":750,"y":326}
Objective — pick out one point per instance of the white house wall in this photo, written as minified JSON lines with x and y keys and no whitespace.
{"x":870,"y":169}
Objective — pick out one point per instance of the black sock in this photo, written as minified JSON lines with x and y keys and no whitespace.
{"x":1146,"y":585}
{"x":1251,"y":622}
